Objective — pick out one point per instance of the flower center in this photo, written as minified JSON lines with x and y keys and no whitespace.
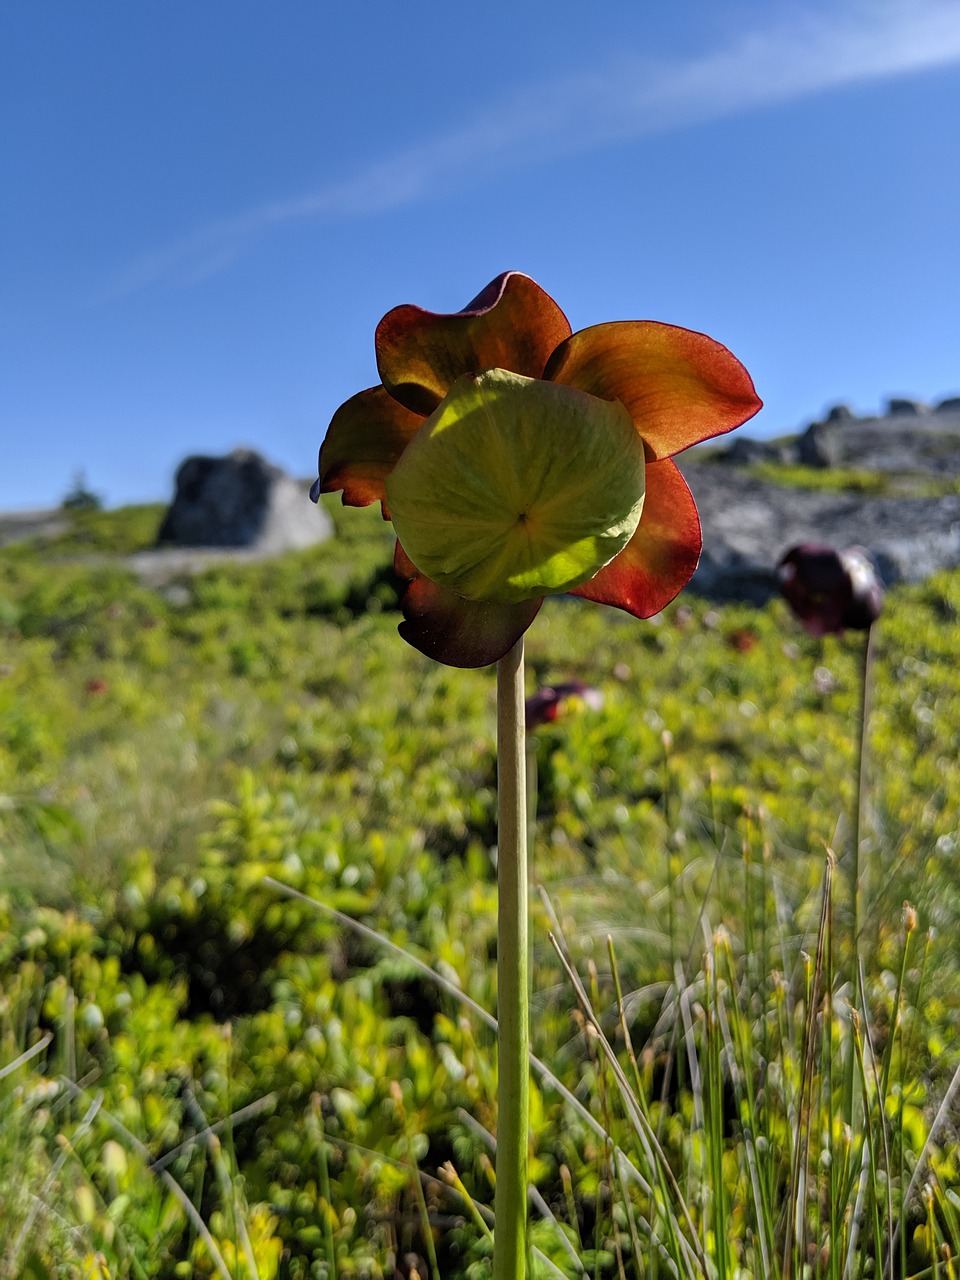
{"x":515,"y":488}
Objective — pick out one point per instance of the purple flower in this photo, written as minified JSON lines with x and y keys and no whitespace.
{"x":831,"y":591}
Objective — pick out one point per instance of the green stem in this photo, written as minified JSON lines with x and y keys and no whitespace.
{"x":858,"y":877}
{"x":513,"y":1013}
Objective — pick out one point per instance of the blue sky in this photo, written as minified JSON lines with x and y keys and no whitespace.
{"x":208,"y":206}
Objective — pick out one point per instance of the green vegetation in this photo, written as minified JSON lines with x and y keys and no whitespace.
{"x":793,"y":475}
{"x":873,"y":484}
{"x":205,"y":1071}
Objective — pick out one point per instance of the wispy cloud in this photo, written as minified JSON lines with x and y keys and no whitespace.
{"x":815,"y":47}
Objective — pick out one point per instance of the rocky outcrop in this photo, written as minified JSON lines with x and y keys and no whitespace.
{"x":910,"y":437}
{"x":745,"y":452}
{"x":241,"y":501}
{"x":748,"y":523}
{"x":19,"y":526}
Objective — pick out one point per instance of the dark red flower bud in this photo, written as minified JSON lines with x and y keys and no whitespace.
{"x":831,"y":591}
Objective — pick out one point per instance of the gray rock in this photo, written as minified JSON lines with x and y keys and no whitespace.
{"x":820,"y":445}
{"x":840,"y":413}
{"x":19,"y":526}
{"x":748,"y":524}
{"x":241,"y":501}
{"x":745,"y":451}
{"x":904,"y":443}
{"x":897,"y":407}
{"x":928,"y":444}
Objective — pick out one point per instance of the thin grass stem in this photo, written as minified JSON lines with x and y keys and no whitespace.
{"x":315,"y":1121}
{"x":543,"y":1072}
{"x":691,"y":1245}
{"x":882,"y":1120}
{"x":426,"y":1230}
{"x":41,"y":1199}
{"x":452,"y":1178}
{"x":227,"y":1190}
{"x":796,"y":1220}
{"x":189,"y":1208}
{"x":869,"y":1186}
{"x":896,"y":1021}
{"x":25,"y":1057}
{"x":943,"y":1111}
{"x":740,"y":1056}
{"x":536,"y":1199}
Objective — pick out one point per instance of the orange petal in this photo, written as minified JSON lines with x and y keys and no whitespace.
{"x":363,"y":443}
{"x":679,"y":387}
{"x":512,"y":324}
{"x":451,"y":629}
{"x":660,"y":558}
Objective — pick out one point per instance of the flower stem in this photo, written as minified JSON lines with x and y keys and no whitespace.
{"x":859,"y":876}
{"x":513,"y":1012}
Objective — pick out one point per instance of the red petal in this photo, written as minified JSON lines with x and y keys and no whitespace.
{"x":512,"y":324}
{"x":679,"y":387}
{"x":450,"y":629}
{"x":660,"y":558}
{"x":363,"y":443}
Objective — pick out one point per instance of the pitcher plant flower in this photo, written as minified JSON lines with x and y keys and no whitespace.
{"x":831,"y":591}
{"x":517,"y":459}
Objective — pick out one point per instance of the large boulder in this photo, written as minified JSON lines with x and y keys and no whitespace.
{"x":241,"y":501}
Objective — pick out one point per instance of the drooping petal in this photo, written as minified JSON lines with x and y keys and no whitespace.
{"x":364,"y":441}
{"x":511,"y":324}
{"x":680,"y":387}
{"x":450,"y":629}
{"x":660,"y":558}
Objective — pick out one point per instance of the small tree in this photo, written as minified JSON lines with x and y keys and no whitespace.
{"x":80,"y":498}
